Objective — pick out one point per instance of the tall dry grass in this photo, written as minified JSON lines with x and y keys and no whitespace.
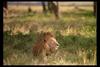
{"x":75,"y":31}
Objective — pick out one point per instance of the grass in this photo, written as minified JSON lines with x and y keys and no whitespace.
{"x":75,"y":31}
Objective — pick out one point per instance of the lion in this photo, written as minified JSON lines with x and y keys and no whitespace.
{"x":46,"y":45}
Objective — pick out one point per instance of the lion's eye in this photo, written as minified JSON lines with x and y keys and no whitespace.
{"x":45,"y":40}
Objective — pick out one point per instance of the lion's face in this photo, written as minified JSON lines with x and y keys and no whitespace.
{"x":47,"y":45}
{"x":51,"y":41}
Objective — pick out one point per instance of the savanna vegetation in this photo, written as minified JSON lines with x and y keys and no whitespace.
{"x":75,"y":30}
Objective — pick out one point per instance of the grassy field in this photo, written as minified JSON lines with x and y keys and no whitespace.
{"x":75,"y":31}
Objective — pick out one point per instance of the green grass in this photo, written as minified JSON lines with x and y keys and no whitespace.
{"x":75,"y":31}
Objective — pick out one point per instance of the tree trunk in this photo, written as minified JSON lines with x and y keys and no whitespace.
{"x":53,"y":8}
{"x":44,"y":7}
{"x":50,"y":7}
{"x":5,"y":5}
{"x":95,"y":8}
{"x":57,"y":10}
{"x":29,"y":9}
{"x":5,"y":8}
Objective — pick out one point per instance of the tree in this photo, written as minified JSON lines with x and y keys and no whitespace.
{"x":5,"y":8}
{"x":5,"y":5}
{"x":50,"y":7}
{"x":29,"y":9}
{"x":95,"y":8}
{"x":44,"y":7}
{"x":53,"y":8}
{"x":56,"y":11}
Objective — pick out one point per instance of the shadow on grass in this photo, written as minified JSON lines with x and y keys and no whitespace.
{"x":76,"y":40}
{"x":76,"y":45}
{"x":19,"y":41}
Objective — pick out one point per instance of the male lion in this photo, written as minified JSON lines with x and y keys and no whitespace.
{"x":46,"y":45}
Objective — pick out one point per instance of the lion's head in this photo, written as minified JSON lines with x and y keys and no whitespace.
{"x":46,"y":44}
